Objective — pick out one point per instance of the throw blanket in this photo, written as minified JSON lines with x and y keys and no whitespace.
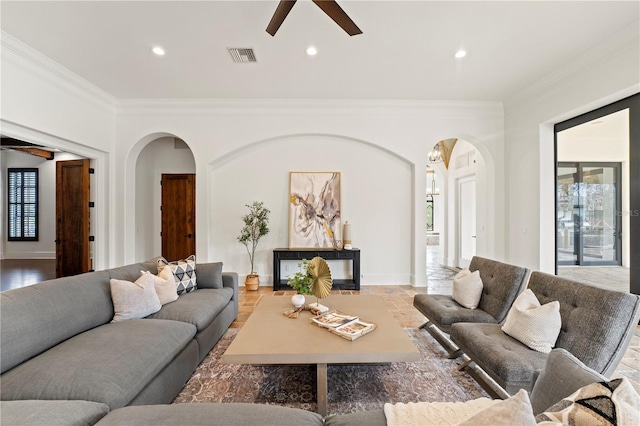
{"x":434,"y":413}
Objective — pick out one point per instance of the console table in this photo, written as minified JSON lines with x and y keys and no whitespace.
{"x":280,"y":254}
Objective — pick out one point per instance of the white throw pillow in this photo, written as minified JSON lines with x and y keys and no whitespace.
{"x":467,"y":288}
{"x":165,"y":284}
{"x":134,"y":300}
{"x":534,"y":325}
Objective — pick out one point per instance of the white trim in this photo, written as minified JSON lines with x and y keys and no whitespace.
{"x":612,"y":46}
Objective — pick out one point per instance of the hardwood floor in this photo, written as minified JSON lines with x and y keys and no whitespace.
{"x":16,"y":273}
{"x":397,"y":298}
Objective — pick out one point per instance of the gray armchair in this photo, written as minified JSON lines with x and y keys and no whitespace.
{"x":597,"y":326}
{"x":502,"y":283}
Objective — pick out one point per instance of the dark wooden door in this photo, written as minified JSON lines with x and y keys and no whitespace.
{"x":178,"y":216}
{"x":72,"y":217}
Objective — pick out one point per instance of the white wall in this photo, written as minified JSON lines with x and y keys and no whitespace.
{"x":376,"y":194}
{"x":244,"y":151}
{"x":158,"y":157}
{"x":608,"y":72}
{"x":45,"y":247}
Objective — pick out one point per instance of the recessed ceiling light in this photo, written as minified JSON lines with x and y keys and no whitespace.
{"x":460,"y":54}
{"x":311,"y":51}
{"x":158,"y":50}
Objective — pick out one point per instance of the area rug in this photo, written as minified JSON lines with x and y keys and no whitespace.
{"x":351,"y":387}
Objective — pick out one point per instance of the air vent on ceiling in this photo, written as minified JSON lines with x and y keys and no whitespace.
{"x":240,"y":54}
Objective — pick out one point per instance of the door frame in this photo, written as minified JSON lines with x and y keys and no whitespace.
{"x":633,"y":104}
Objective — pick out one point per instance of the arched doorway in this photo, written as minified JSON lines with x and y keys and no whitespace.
{"x":464,"y":183}
{"x":164,"y":155}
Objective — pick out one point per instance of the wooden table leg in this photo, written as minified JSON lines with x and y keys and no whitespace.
{"x":322,"y":389}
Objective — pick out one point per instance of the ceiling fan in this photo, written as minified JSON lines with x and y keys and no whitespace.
{"x":330,"y":7}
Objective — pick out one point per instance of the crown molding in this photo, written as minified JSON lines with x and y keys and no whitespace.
{"x":616,"y":44}
{"x":309,"y":107}
{"x":15,"y":51}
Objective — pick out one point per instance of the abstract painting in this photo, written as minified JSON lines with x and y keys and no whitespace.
{"x":314,"y":210}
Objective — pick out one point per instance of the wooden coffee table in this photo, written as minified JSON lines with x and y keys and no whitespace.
{"x":268,"y":337}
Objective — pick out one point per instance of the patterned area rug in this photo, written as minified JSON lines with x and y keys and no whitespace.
{"x":351,"y":387}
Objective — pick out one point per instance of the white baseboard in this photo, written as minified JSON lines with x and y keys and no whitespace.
{"x":30,"y":255}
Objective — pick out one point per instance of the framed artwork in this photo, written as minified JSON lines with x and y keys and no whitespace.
{"x":314,"y":210}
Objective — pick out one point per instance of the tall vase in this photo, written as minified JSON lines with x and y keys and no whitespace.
{"x":346,"y":235}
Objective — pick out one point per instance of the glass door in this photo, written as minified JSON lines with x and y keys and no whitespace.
{"x":588,"y":219}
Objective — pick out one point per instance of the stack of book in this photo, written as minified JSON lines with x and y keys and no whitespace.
{"x":347,"y":326}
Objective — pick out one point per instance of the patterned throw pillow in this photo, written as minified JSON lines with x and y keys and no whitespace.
{"x":184,"y":271}
{"x":605,"y":403}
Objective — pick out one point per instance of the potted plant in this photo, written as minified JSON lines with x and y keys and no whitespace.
{"x":256,"y":226}
{"x":301,"y":282}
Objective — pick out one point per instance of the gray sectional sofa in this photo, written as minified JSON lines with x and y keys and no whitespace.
{"x":60,"y":348}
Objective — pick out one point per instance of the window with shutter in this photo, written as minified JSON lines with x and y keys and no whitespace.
{"x":22,"y":195}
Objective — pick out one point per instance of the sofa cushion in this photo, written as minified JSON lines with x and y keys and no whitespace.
{"x":232,"y":414}
{"x":134,"y":300}
{"x":509,"y":362}
{"x":38,"y":317}
{"x":110,"y":364}
{"x":467,"y":288}
{"x":535,"y":325}
{"x":185,"y":272}
{"x":51,"y":413}
{"x":210,"y":275}
{"x":501,"y":284}
{"x":563,"y":374}
{"x":199,"y":307}
{"x":444,"y":311}
{"x":597,"y":324}
{"x":368,"y":418}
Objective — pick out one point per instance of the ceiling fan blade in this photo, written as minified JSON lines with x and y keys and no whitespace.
{"x":284,"y":7}
{"x":335,"y":12}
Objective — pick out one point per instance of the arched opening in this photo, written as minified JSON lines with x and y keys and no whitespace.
{"x":160,"y":155}
{"x":464,"y":183}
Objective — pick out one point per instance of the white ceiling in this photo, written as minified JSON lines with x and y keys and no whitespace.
{"x":405,"y":52}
